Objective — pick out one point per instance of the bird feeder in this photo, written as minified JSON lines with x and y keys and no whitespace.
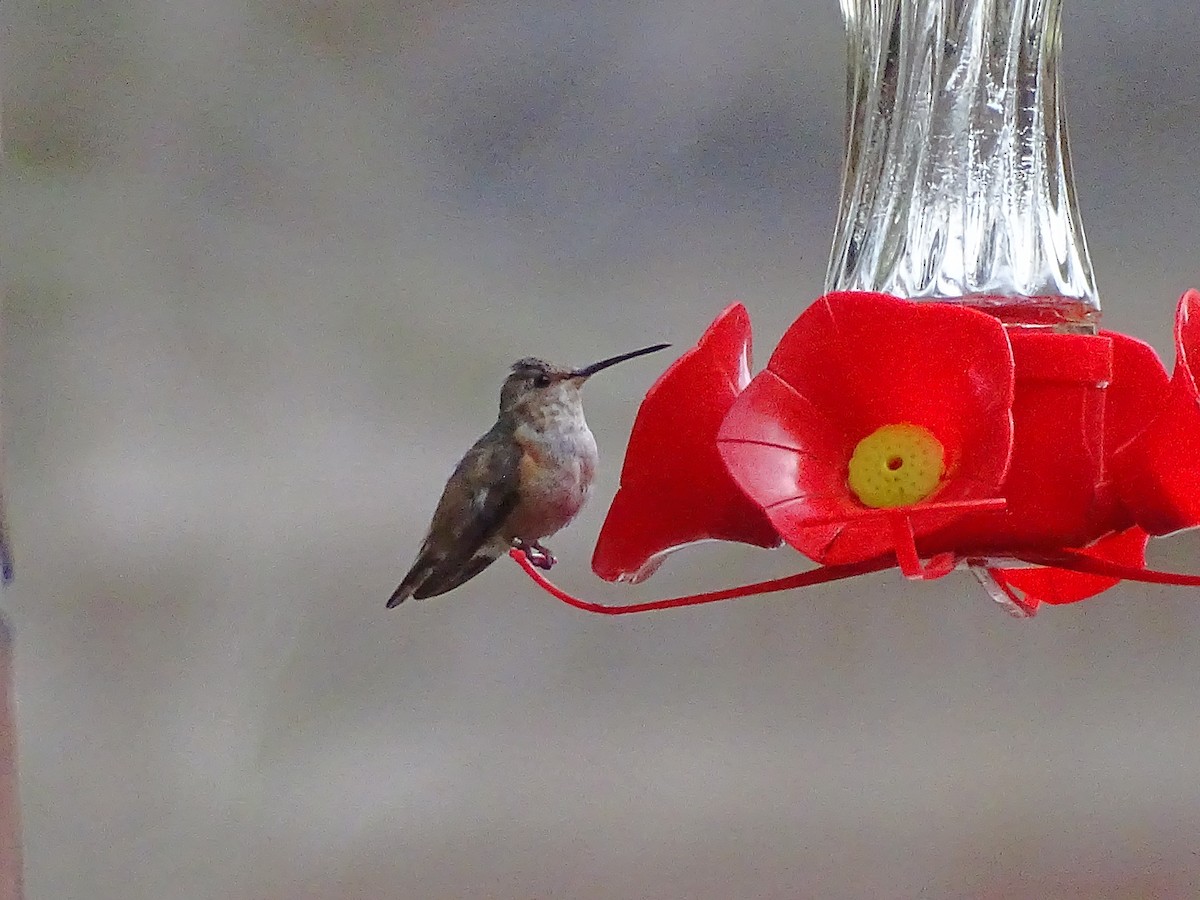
{"x":951,"y":402}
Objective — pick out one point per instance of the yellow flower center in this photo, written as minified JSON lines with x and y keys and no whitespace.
{"x":896,"y":465}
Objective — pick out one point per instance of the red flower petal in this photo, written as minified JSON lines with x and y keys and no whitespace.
{"x":1138,"y":388}
{"x":1158,"y":472}
{"x":675,"y":489}
{"x":1047,"y":584}
{"x":851,"y":363}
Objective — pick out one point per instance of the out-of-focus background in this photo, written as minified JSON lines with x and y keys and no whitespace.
{"x":265,"y":265}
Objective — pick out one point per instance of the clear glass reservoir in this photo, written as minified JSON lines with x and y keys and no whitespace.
{"x":957,"y":182}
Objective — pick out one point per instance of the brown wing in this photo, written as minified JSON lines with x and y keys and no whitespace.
{"x":481,"y":493}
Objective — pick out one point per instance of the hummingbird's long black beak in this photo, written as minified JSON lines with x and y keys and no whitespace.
{"x":588,"y":371}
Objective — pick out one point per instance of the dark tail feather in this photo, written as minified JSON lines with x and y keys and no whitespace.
{"x":429,"y":577}
{"x":412,"y":581}
{"x":439,"y":582}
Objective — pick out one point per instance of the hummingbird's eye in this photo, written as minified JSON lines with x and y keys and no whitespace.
{"x":541,"y":380}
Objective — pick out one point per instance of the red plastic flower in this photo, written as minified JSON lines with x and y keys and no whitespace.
{"x":1138,"y":385}
{"x":876,"y":421}
{"x":674,"y":488}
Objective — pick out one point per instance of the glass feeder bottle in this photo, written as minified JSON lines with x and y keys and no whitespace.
{"x":957,"y":181}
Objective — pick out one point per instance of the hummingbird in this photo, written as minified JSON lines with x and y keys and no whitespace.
{"x":525,"y":479}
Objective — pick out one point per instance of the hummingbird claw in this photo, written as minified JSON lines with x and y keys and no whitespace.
{"x":538,"y":556}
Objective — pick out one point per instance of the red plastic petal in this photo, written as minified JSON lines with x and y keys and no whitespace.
{"x":788,"y":456}
{"x":675,"y":489}
{"x":1158,"y":472}
{"x":1137,"y":390}
{"x":1135,"y":393}
{"x":851,"y":363}
{"x":1048,"y":584}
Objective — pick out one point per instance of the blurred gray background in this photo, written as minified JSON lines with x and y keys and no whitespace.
{"x":265,"y":266}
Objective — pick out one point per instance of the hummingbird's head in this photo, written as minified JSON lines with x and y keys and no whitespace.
{"x":531,"y":382}
{"x":535,"y":382}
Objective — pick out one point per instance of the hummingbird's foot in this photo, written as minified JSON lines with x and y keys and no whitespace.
{"x":547,"y":558}
{"x":538,"y":556}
